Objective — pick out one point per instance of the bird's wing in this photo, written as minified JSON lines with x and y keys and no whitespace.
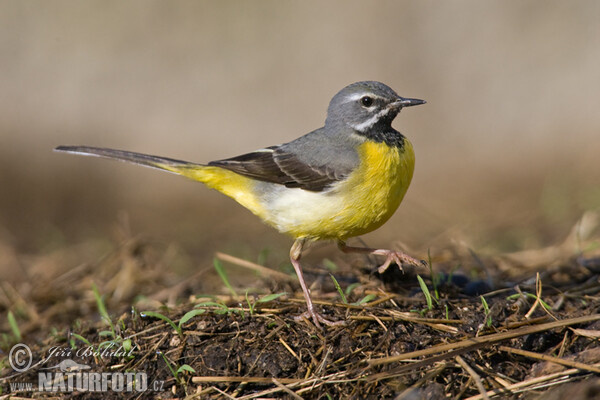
{"x":279,"y":165}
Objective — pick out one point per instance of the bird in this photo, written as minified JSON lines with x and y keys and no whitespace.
{"x":339,"y":181}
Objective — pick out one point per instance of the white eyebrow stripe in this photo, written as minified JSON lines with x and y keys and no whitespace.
{"x":357,"y":96}
{"x":363,"y":126}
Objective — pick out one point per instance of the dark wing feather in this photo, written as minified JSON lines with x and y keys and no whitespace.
{"x":278,"y":166}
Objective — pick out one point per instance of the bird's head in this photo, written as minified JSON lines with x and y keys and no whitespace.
{"x":364,"y":106}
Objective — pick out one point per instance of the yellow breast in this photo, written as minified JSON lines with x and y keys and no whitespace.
{"x":375,"y":190}
{"x":357,"y":205}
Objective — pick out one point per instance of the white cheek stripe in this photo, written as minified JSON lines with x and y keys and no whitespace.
{"x":363,"y":126}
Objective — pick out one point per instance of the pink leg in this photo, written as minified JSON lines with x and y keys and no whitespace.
{"x":390,"y":256}
{"x":295,"y":253}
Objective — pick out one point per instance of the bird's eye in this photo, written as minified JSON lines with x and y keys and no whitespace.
{"x":366,"y":101}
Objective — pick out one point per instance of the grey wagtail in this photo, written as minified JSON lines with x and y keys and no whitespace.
{"x":342,"y":180}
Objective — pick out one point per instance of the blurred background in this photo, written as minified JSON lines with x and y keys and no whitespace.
{"x":507,"y":146}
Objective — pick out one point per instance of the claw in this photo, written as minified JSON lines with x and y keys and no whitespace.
{"x":318,"y":318}
{"x":390,"y":256}
{"x":397,"y":257}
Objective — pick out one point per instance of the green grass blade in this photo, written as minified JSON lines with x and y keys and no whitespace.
{"x":351,"y":287}
{"x":250,"y":304}
{"x":484,"y":302}
{"x":486,"y":309}
{"x":426,"y":292}
{"x":435,"y":278}
{"x":79,"y":337}
{"x":189,"y":315}
{"x":127,"y":345}
{"x":262,"y":257}
{"x":339,"y":289}
{"x":102,"y":308}
{"x":222,"y":308}
{"x":365,"y":299}
{"x":168,"y":320}
{"x":187,"y":368}
{"x":270,"y":297}
{"x":223,"y":276}
{"x":173,"y":372}
{"x":330,"y":265}
{"x":14,"y":327}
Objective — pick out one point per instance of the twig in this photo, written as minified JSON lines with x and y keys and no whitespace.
{"x":521,"y":386}
{"x":292,"y":352}
{"x":250,"y":379}
{"x":381,"y":300}
{"x":286,"y":389}
{"x":555,"y":360}
{"x":488,"y":339}
{"x":474,"y":375}
{"x":255,"y":267}
{"x":223,"y":393}
{"x":428,"y":377}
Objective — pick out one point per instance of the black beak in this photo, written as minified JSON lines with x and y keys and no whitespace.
{"x":404,"y":102}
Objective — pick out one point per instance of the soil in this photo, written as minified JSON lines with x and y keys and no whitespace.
{"x":491,"y":328}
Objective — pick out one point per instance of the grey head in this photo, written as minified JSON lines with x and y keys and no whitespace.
{"x":366,"y":107}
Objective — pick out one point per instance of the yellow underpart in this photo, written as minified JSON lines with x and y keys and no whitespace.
{"x":352,"y":207}
{"x":379,"y":186}
{"x":367,"y":198}
{"x":238,"y":187}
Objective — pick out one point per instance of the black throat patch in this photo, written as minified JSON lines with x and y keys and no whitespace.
{"x":388,"y":135}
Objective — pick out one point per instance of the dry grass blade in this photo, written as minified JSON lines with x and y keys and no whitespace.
{"x":288,"y":348}
{"x":328,"y":303}
{"x":255,"y":267}
{"x":286,"y":389}
{"x":589,"y":333}
{"x":378,"y":319}
{"x":306,"y":384}
{"x":529,"y":383}
{"x":538,"y":292}
{"x":473,"y":375}
{"x":413,"y":366}
{"x":493,"y":338}
{"x":249,"y":379}
{"x":382,"y":300}
{"x":223,"y":393}
{"x":435,"y":323}
{"x":556,"y":360}
{"x":538,"y":299}
{"x":430,"y":375}
{"x":411,"y":317}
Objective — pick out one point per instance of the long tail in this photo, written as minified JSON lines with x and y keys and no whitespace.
{"x":163,"y":163}
{"x":238,"y":187}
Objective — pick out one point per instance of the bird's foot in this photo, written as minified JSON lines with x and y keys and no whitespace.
{"x":397,"y":257}
{"x":317,"y":319}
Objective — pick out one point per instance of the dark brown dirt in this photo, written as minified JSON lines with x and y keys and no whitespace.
{"x":233,"y":350}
